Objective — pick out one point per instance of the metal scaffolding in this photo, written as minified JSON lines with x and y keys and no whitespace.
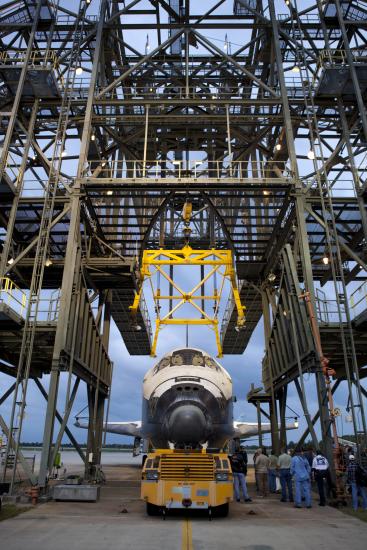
{"x":113,"y":117}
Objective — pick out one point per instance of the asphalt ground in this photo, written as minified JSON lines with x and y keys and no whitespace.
{"x":119,"y":521}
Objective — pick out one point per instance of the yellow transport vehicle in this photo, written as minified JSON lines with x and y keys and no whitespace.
{"x":191,"y":480}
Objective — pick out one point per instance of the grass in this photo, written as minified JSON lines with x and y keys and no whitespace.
{"x":359,"y":514}
{"x":10,"y":511}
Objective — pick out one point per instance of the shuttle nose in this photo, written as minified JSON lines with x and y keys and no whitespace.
{"x":187,"y":424}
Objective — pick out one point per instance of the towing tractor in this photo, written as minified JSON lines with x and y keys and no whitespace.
{"x":187,"y":480}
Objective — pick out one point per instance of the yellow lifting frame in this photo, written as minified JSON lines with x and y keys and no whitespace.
{"x":161,"y":257}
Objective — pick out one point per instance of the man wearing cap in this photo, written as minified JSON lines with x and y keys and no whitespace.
{"x":357,"y":479}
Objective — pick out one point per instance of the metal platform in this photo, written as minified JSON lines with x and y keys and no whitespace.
{"x":7,"y":189}
{"x":40,"y":82}
{"x":235,"y":341}
{"x":9,"y":318}
{"x":337,"y":81}
{"x":137,"y":337}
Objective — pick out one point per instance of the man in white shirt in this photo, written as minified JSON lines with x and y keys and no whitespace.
{"x":320,"y":469}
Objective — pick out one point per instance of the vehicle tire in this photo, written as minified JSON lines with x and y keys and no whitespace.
{"x":152,"y":509}
{"x":221,"y":511}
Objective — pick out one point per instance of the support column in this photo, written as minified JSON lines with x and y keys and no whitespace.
{"x":353,"y":72}
{"x":71,"y":269}
{"x":18,"y":95}
{"x":283,"y":407}
{"x":259,"y":423}
{"x":95,"y":434}
{"x":273,"y":404}
{"x":353,"y":167}
{"x":300,"y":200}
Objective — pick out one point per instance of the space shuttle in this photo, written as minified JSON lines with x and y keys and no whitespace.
{"x":187,"y":403}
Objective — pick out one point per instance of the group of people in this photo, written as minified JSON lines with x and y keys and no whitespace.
{"x":300,"y":467}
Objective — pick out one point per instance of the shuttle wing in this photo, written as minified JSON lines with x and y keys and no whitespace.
{"x":247,"y":429}
{"x":122,"y":428}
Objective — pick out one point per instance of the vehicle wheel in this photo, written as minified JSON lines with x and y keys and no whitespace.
{"x":152,"y":509}
{"x":221,"y":511}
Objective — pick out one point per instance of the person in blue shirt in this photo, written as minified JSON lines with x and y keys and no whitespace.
{"x":301,"y":472}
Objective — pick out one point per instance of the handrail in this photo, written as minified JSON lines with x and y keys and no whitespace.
{"x":15,"y":298}
{"x":327,"y":308}
{"x":12,"y":295}
{"x":37,"y":58}
{"x":227,"y":169}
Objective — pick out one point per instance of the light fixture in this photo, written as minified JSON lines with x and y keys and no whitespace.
{"x":214,"y":96}
{"x":284,"y":313}
{"x":93,"y":137}
{"x":266,"y":192}
{"x":10,"y":261}
{"x":295,"y":69}
{"x":278,"y":147}
{"x":325,"y":260}
{"x":150,"y":89}
{"x":103,"y":163}
{"x":137,"y":327}
{"x":34,"y":157}
{"x":311,"y":154}
{"x":296,"y":423}
{"x":48,"y":262}
{"x":271,"y":277}
{"x":109,"y":192}
{"x":79,"y":70}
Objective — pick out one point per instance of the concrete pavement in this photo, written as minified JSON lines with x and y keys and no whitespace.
{"x":264,"y":524}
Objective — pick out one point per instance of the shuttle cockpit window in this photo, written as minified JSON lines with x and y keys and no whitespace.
{"x":209,"y":362}
{"x":177,"y":360}
{"x":165,"y":362}
{"x":198,"y":360}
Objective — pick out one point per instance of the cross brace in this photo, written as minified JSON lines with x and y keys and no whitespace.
{"x":154,"y":261}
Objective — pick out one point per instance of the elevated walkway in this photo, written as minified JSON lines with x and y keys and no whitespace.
{"x":40,"y":81}
{"x":137,"y":337}
{"x":90,"y":360}
{"x":333,"y":75}
{"x":118,"y":275}
{"x":235,"y":341}
{"x":7,"y":189}
{"x":291,"y":338}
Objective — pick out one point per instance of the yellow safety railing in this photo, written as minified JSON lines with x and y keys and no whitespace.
{"x":37,"y":58}
{"x":12,"y":295}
